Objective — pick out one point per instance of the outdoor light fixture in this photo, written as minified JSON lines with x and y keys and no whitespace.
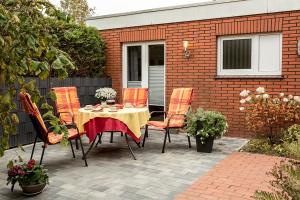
{"x":298,"y":48}
{"x":186,"y":50}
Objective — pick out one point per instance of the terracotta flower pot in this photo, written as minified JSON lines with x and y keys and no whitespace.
{"x":31,"y":190}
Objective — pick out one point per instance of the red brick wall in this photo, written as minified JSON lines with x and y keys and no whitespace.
{"x":200,"y":70}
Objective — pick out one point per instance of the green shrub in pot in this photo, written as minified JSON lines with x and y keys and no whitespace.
{"x":205,"y":126}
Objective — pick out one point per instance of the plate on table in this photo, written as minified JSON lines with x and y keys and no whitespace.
{"x":88,"y":107}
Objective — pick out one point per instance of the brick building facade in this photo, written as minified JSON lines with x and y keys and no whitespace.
{"x":212,"y":91}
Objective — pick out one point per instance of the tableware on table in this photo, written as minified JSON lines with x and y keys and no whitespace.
{"x":119,"y":106}
{"x":113,"y":109}
{"x":128,"y":105}
{"x":88,"y":107}
{"x":97,"y":109}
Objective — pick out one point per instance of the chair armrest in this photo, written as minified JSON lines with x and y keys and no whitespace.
{"x":164,"y":112}
{"x":169,"y":119}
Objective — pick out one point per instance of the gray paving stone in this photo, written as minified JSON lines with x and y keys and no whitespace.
{"x":113,"y":174}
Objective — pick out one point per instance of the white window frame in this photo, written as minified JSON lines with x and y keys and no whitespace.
{"x":255,"y":56}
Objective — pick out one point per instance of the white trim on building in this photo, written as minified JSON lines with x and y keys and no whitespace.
{"x":192,"y":12}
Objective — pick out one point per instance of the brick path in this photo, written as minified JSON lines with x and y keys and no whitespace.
{"x":236,"y":177}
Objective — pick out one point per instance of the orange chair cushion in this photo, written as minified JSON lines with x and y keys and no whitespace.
{"x":54,"y":138}
{"x":180,"y":103}
{"x":67,"y":101}
{"x":162,"y":124}
{"x":138,"y":97}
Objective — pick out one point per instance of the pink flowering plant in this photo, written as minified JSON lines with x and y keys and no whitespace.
{"x":26,"y":173}
{"x":266,"y":115}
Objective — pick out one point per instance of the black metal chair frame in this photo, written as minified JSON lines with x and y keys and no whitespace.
{"x":167,"y":130}
{"x":38,"y":135}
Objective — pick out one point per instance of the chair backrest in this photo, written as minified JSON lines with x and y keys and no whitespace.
{"x":31,"y":109}
{"x":180,"y":103}
{"x":135,"y":96}
{"x":67,"y":101}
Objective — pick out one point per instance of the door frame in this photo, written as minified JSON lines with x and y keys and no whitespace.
{"x":145,"y":64}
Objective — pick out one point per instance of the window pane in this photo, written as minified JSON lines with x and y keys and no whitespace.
{"x":237,"y":54}
{"x":134,"y":59}
{"x":156,"y":54}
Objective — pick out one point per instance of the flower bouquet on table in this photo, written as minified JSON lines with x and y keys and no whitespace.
{"x":106,"y":95}
{"x":32,"y":177}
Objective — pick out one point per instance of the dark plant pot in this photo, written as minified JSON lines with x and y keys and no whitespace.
{"x":31,"y":190}
{"x":207,"y":146}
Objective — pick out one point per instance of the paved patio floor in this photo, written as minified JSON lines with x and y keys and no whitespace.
{"x":236,"y":177}
{"x":113,"y":174}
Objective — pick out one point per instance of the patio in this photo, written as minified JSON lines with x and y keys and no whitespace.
{"x":113,"y":174}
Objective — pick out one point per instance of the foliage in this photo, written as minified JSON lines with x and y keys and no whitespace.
{"x":266,"y":116}
{"x":264,"y":146}
{"x":105,"y":93}
{"x":83,"y":44}
{"x":26,"y":173}
{"x":287,"y":175}
{"x":78,"y":9}
{"x":283,"y":147}
{"x":27,"y":47}
{"x":206,"y":124}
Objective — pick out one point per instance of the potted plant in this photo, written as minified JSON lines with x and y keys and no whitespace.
{"x":106,"y":95}
{"x":206,"y":126}
{"x":32,"y":177}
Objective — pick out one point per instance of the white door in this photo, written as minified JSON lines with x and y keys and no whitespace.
{"x":144,"y":66}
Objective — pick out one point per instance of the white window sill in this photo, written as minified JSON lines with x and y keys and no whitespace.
{"x":249,"y":76}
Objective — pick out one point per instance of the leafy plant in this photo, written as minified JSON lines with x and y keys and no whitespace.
{"x":26,"y":173}
{"x":287,"y":175}
{"x":77,"y":9}
{"x":27,"y":48}
{"x":206,"y":124}
{"x":105,"y":93}
{"x":83,"y":44}
{"x":267,"y":116}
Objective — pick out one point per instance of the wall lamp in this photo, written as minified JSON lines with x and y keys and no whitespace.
{"x":186,"y":51}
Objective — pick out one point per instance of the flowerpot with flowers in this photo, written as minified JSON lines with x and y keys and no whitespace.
{"x":31,"y":176}
{"x":106,"y":96}
{"x":206,"y":126}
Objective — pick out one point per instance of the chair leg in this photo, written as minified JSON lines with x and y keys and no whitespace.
{"x":42,"y":156}
{"x":72,"y":149}
{"x":169,"y":137}
{"x":76,"y":142}
{"x":32,"y":152}
{"x":111,"y":137}
{"x":84,"y":157}
{"x":129,"y":147}
{"x":99,"y":139}
{"x":166,"y":134}
{"x":145,"y":135}
{"x":122,"y":134}
{"x":189,"y":140}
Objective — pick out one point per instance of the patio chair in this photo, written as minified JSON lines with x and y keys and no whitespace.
{"x":136,"y":97}
{"x":180,"y":105}
{"x":45,"y":134}
{"x":67,"y":105}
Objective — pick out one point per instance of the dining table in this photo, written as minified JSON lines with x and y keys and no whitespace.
{"x":128,"y":121}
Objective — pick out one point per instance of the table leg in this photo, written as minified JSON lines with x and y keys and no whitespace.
{"x":99,"y":139}
{"x":129,"y":147}
{"x":91,"y":146}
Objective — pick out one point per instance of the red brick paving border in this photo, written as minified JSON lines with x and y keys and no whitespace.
{"x":236,"y":177}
